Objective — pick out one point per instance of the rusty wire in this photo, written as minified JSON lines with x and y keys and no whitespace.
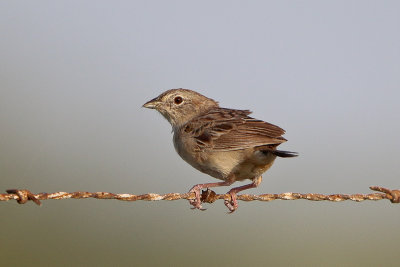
{"x":208,"y":196}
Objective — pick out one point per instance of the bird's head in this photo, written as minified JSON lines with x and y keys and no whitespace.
{"x":179,"y":106}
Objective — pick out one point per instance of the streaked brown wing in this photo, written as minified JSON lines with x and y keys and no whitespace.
{"x":229,"y":129}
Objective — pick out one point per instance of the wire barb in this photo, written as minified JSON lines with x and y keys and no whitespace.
{"x":23,"y":196}
{"x":208,"y":196}
{"x":392,"y":195}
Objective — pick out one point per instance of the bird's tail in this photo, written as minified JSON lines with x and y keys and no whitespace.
{"x":284,"y":154}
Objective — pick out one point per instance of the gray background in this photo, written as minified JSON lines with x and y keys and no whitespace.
{"x":73,"y":77}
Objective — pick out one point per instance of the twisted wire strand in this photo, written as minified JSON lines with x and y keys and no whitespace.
{"x":208,"y":196}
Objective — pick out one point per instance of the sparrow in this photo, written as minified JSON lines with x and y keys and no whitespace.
{"x":224,"y":143}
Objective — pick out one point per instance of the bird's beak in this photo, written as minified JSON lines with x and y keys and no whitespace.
{"x":154,"y":103}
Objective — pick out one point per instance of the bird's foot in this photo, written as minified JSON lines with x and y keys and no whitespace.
{"x":231,"y":204}
{"x":196,"y":203}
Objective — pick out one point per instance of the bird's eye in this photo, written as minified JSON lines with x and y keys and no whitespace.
{"x":178,"y":100}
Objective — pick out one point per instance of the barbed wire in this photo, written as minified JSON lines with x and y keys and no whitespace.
{"x":208,"y":196}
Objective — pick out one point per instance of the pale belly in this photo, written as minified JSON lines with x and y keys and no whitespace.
{"x":237,"y":165}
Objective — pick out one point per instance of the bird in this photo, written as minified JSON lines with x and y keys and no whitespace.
{"x":224,"y":143}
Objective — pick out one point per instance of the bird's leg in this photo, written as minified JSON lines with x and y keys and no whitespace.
{"x":232,"y":204}
{"x":196,"y":203}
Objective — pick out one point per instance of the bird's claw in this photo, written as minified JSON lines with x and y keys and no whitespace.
{"x":231,"y":204}
{"x":196,"y":203}
{"x":198,"y":208}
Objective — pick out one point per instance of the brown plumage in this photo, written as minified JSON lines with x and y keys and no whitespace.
{"x":227,"y":144}
{"x":222,"y":129}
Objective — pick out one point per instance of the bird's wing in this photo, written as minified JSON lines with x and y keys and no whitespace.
{"x":229,"y":129}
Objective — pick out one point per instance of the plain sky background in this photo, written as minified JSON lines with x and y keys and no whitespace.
{"x":73,"y":77}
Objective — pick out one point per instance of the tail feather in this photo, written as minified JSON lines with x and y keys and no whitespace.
{"x":284,"y":154}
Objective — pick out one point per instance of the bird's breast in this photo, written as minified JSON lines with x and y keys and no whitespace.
{"x":216,"y":164}
{"x":240,"y":164}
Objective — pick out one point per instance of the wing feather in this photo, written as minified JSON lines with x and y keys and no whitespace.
{"x":230,"y":129}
